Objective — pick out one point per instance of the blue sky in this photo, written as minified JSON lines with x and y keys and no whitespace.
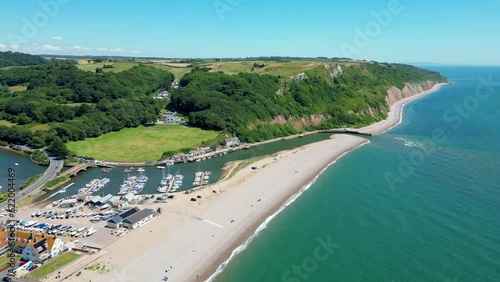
{"x":444,"y":31}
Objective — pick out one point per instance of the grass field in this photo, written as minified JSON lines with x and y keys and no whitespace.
{"x":18,"y":88}
{"x":37,"y":127}
{"x":6,"y":123}
{"x":141,"y":143}
{"x":117,"y":66}
{"x":178,"y":72}
{"x":52,"y":266}
{"x":284,"y":68}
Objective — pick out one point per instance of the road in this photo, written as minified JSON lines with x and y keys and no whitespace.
{"x":55,"y":166}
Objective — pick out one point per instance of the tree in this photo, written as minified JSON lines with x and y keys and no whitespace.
{"x":58,"y":148}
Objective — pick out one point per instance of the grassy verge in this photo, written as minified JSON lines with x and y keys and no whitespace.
{"x":97,"y":267}
{"x":54,"y":183}
{"x":143,"y":143}
{"x":3,"y":196}
{"x":30,"y":181}
{"x":232,"y":168}
{"x":52,"y":266}
{"x":70,"y":161}
{"x":40,"y":158}
{"x":5,"y":261}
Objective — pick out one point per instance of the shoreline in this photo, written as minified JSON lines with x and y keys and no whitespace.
{"x":395,"y":114}
{"x":248,"y":237}
{"x":394,"y":118}
{"x":199,"y":238}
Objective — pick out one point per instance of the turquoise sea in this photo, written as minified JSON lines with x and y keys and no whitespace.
{"x":419,"y":203}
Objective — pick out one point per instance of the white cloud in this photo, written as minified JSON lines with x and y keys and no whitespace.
{"x":2,"y":46}
{"x":15,"y":47}
{"x":49,"y":47}
{"x":77,"y":47}
{"x":102,"y":49}
{"x":117,"y":50}
{"x":87,"y":49}
{"x":136,"y":51}
{"x":58,"y":38}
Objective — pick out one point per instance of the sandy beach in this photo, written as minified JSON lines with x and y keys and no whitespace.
{"x":192,"y":239}
{"x":395,"y":114}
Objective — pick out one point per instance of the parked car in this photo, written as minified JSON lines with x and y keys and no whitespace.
{"x":33,"y":267}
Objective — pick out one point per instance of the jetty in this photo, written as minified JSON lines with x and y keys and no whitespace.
{"x":201,"y":178}
{"x":345,"y":131}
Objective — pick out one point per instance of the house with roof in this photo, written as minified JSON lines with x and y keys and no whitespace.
{"x":171,"y":118}
{"x":131,"y":219}
{"x":138,"y":219}
{"x":129,"y":197}
{"x":117,"y":221}
{"x":104,"y":200}
{"x":42,"y":250}
{"x":94,"y":200}
{"x":34,"y":247}
{"x":162,"y":95}
{"x":119,"y":204}
{"x":235,"y":141}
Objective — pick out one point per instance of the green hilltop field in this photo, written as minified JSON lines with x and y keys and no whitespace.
{"x":97,"y":107}
{"x":143,"y":143}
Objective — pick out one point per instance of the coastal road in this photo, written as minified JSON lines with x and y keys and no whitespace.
{"x":55,"y":166}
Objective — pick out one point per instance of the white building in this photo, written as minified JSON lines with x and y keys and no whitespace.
{"x":171,"y":118}
{"x":43,"y":249}
{"x":117,"y":221}
{"x":138,"y":219}
{"x":162,"y":95}
{"x":235,"y":141}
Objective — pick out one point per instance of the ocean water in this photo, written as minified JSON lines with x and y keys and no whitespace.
{"x":419,"y":203}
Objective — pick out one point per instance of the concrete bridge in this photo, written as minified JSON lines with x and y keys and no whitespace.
{"x":76,"y":169}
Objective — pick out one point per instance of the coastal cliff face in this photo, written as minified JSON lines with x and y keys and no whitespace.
{"x":394,"y":94}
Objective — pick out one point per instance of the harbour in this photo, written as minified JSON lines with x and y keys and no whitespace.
{"x":188,"y":170}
